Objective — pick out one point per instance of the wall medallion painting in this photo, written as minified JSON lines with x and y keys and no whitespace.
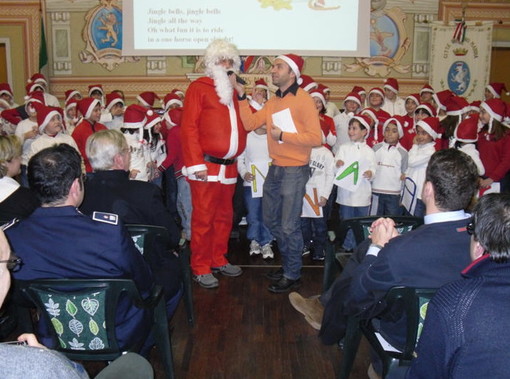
{"x":103,"y":36}
{"x":388,"y":42}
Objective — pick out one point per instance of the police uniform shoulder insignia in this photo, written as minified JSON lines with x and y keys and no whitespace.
{"x":7,"y":225}
{"x":108,"y":218}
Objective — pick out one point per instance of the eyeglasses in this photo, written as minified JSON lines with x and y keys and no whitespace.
{"x":13,"y":263}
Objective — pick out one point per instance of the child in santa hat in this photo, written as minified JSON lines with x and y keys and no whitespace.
{"x":426,"y":94}
{"x":393,"y":104}
{"x":427,"y":134}
{"x":50,"y":126}
{"x":115,"y":105}
{"x":327,"y":123}
{"x":27,"y":131}
{"x":352,"y":105}
{"x":412,"y":102}
{"x":356,"y":203}
{"x":135,"y":118}
{"x":495,"y":90}
{"x":71,"y":118}
{"x":90,"y":109}
{"x":464,"y":139}
{"x":494,"y":144}
{"x":391,"y":160}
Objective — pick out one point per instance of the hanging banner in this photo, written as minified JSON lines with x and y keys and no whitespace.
{"x":462,"y":67}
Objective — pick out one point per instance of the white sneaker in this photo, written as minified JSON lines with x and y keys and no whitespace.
{"x":267,"y":252}
{"x":255,"y":248}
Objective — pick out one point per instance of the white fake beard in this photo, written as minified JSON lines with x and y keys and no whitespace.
{"x":222,"y":84}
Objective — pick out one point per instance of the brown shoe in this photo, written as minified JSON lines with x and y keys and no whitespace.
{"x":310,"y":307}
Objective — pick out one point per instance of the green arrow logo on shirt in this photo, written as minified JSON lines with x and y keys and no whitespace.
{"x":352,"y":169}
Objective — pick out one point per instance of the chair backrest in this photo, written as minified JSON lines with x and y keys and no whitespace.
{"x":81,"y":313}
{"x":147,"y":237}
{"x":361,"y":225}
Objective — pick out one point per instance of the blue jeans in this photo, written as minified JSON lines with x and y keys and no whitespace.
{"x":388,"y":205}
{"x":316,"y":230}
{"x":184,"y":206}
{"x":282,"y":203}
{"x":257,"y":230}
{"x":351,"y":212}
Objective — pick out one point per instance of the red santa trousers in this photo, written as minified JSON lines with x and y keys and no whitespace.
{"x":211,"y":224}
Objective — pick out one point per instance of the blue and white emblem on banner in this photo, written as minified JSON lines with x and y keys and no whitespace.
{"x":459,"y":77}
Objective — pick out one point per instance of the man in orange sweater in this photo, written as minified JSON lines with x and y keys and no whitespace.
{"x":293,"y":129}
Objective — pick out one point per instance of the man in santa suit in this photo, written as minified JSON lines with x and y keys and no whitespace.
{"x":212,"y":137}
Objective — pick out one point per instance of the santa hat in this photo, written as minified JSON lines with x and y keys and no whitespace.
{"x":359,"y":90}
{"x":295,"y":63}
{"x":467,"y":130}
{"x":372,"y":113}
{"x":5,"y":88}
{"x":96,"y":87}
{"x":70,"y":93}
{"x":38,"y":78}
{"x":497,"y":89}
{"x":152,"y":119}
{"x":261,"y":83}
{"x":377,"y":91}
{"x":148,"y":98}
{"x":71,"y":103}
{"x":178,"y":92}
{"x":173,"y":116}
{"x":135,"y":116}
{"x":113,"y":98}
{"x":457,"y":106}
{"x":307,"y":83}
{"x":427,"y":88}
{"x":34,"y":98}
{"x":391,"y":84}
{"x":496,"y":108}
{"x":32,"y":87}
{"x":399,"y":121}
{"x":415,"y":97}
{"x":428,"y":108}
{"x":45,"y":114}
{"x":319,"y":95}
{"x":324,"y":89}
{"x":431,"y":126}
{"x":170,"y":99}
{"x":475,"y":106}
{"x":353,"y":96}
{"x":364,"y":120}
{"x":86,"y":106}
{"x":441,"y":98}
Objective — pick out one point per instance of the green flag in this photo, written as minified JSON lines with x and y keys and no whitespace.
{"x":43,"y":51}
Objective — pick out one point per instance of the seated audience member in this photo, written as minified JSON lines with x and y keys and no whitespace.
{"x":15,"y":201}
{"x":135,"y":202}
{"x":58,"y":241}
{"x":460,"y":338}
{"x":428,"y":257}
{"x":35,"y":361}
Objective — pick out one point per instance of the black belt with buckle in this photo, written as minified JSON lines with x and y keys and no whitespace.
{"x":210,"y":158}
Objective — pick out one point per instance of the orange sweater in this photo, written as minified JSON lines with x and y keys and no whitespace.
{"x":296,"y":147}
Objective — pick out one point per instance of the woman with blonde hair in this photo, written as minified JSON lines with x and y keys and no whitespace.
{"x":15,"y":201}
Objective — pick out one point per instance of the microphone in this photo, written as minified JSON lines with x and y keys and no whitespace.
{"x":238,"y":78}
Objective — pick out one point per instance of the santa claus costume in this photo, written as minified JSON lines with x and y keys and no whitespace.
{"x":212,"y":136}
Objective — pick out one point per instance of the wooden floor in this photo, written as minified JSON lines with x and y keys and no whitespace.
{"x":244,"y":331}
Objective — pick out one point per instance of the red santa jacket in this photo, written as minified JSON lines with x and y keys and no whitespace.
{"x":209,"y":127}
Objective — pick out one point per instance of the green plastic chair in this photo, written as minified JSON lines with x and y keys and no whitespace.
{"x":82,"y":315}
{"x":414,"y":303}
{"x":146,"y":238}
{"x":334,"y":262}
